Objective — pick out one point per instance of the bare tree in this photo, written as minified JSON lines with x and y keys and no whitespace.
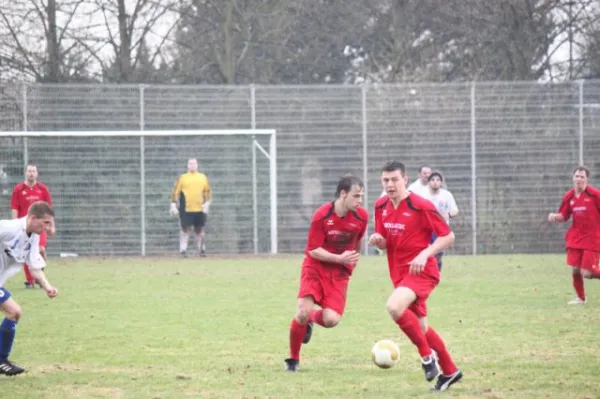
{"x":119,"y":34}
{"x":32,"y":41}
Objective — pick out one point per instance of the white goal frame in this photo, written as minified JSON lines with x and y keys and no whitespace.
{"x":270,"y":154}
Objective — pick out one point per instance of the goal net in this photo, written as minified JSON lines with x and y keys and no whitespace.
{"x":112,"y":189}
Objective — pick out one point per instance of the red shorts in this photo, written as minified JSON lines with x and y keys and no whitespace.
{"x":421,"y":284}
{"x":327,"y":285}
{"x":584,"y":259}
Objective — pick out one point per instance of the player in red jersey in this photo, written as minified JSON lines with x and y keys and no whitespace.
{"x":582,"y":202}
{"x":24,"y":194}
{"x":404,"y":222}
{"x":333,"y":249}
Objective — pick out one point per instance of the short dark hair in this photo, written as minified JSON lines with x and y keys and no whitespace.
{"x":434,"y":174}
{"x":30,"y":163}
{"x":423,"y":167}
{"x":393,"y":166}
{"x":582,"y":168}
{"x":347,"y":182}
{"x":39,"y":209}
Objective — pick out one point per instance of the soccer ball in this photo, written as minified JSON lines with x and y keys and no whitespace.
{"x":385,"y":353}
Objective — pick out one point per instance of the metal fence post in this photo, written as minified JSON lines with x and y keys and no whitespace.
{"x":365,"y":159}
{"x":25,"y":125}
{"x":473,"y":171}
{"x":581,"y":122}
{"x":142,"y":175}
{"x":254,"y":177}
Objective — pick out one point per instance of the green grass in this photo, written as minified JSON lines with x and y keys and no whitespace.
{"x":218,"y":328}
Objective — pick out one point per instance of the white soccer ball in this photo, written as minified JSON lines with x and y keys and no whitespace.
{"x":385,"y":353}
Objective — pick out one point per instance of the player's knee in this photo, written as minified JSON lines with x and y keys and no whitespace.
{"x":303,"y":313}
{"x":400,"y":301}
{"x":423,"y":324}
{"x":395,"y":308}
{"x":587,"y":273}
{"x":13,"y":312}
{"x":575,"y":270}
{"x":331,"y":318}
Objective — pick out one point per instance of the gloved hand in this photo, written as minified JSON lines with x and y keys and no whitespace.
{"x":206,"y":207}
{"x":174,"y":211}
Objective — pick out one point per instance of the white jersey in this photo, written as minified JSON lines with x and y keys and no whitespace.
{"x":444,"y":202}
{"x":17,"y":248}
{"x":419,"y":189}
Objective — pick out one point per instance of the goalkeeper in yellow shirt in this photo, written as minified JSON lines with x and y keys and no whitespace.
{"x":190,"y":200}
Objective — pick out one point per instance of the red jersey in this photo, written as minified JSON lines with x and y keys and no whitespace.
{"x":407,"y":230}
{"x":335,"y":234}
{"x":584,"y":232}
{"x":23,"y":196}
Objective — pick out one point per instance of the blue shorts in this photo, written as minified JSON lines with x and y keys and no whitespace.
{"x":433,"y":237}
{"x":4,"y":295}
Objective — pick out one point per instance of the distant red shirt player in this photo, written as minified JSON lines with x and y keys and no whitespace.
{"x":582,"y":203}
{"x":24,"y":194}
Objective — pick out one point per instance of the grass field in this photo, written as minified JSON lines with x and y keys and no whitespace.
{"x":218,"y":328}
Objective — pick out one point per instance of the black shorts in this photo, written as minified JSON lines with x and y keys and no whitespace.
{"x":195,"y":219}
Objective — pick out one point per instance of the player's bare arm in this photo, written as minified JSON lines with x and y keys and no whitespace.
{"x":14,"y":213}
{"x":40,"y":277}
{"x":556,"y":217}
{"x":378,"y":241}
{"x":440,"y":243}
{"x":345,"y":258}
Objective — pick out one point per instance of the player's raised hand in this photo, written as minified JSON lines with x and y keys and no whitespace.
{"x":418,"y":263}
{"x":349,"y":257}
{"x":376,"y":239}
{"x":51,"y":292}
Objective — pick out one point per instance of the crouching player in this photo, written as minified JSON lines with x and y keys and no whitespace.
{"x":333,"y":249}
{"x":20,"y":243}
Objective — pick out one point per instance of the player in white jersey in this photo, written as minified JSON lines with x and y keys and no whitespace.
{"x":421,"y":185}
{"x":444,"y":203}
{"x":20,"y":243}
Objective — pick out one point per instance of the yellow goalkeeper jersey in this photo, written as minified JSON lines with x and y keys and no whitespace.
{"x":191,"y":191}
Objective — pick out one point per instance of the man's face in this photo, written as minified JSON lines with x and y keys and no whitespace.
{"x":353,"y":198}
{"x":192,"y":165}
{"x":424,"y":175}
{"x":435,"y":183}
{"x":39,"y":225}
{"x":393,"y":183}
{"x":31,"y":173}
{"x":579,"y":180}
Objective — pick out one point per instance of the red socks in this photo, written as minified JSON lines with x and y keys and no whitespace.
{"x":297,"y":332}
{"x":316,"y":316}
{"x":578,"y":285}
{"x":28,"y":275}
{"x":409,"y":324}
{"x":437,"y":344}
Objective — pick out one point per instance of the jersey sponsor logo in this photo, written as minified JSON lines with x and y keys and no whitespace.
{"x":394,"y":226}
{"x":579,"y":209}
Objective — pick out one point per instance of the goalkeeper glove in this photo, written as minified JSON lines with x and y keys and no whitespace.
{"x":206,"y":207}
{"x":174,"y":211}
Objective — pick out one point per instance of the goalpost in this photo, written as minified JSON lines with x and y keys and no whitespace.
{"x":95,"y":175}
